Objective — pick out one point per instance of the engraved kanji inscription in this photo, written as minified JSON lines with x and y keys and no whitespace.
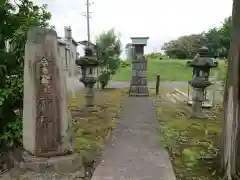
{"x":47,"y":108}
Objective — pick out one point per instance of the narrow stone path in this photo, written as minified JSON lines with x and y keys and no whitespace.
{"x":134,"y":152}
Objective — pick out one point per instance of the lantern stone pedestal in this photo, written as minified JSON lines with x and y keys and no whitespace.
{"x":47,"y":125}
{"x":89,"y":92}
{"x":198,"y":97}
{"x":138,"y":85}
{"x":206,"y":102}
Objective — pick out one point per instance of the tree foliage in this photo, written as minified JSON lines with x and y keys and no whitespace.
{"x":109,"y":46}
{"x":185,"y":46}
{"x":216,"y":39}
{"x":16,"y":17}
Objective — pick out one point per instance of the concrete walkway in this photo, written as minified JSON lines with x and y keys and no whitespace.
{"x":134,"y":152}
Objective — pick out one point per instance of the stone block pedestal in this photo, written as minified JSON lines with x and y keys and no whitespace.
{"x":60,"y":164}
{"x":138,"y":91}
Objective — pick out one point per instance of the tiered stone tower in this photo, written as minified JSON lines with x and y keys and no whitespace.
{"x":138,"y":86}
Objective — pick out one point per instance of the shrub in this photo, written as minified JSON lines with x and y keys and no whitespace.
{"x":155,"y":56}
{"x":124,"y":64}
{"x":13,"y":39}
{"x":104,"y":79}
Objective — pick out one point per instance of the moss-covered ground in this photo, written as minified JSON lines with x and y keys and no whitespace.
{"x":92,"y":129}
{"x":193,"y":144}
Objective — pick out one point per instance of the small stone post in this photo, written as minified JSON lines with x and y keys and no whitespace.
{"x":157,"y":83}
{"x":46,"y":121}
{"x":89,"y":95}
{"x":198,"y":98}
{"x":138,"y":86}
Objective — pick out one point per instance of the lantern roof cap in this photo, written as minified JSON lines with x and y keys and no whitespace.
{"x":87,"y":61}
{"x":203,"y":51}
{"x":202,"y":63}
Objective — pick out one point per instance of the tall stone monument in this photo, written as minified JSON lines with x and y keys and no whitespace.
{"x":138,"y":86}
{"x":46,"y":120}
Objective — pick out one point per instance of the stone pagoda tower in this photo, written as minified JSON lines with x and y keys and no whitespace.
{"x":138,"y":86}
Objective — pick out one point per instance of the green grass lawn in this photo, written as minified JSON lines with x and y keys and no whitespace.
{"x":169,"y":70}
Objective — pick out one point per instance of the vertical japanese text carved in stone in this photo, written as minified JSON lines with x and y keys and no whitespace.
{"x":47,"y":107}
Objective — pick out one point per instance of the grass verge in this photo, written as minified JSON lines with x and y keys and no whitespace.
{"x":192,"y":143}
{"x":93,"y":129}
{"x":169,"y":70}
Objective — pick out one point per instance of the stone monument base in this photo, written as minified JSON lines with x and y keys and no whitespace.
{"x":205,"y":104}
{"x":59,"y":164}
{"x":138,"y":95}
{"x":138,"y":91}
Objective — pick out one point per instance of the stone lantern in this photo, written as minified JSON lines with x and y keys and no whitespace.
{"x":201,"y":70}
{"x":89,"y":65}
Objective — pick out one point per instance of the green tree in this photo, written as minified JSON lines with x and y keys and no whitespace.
{"x":109,"y":47}
{"x":218,"y":39}
{"x":225,"y":33}
{"x":185,"y":46}
{"x":15,"y":20}
{"x":213,"y":41}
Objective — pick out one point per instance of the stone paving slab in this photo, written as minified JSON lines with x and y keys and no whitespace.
{"x":134,"y":151}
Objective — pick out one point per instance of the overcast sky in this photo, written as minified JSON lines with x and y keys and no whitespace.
{"x":161,"y":20}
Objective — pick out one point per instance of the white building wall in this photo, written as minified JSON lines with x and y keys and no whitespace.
{"x":61,"y":48}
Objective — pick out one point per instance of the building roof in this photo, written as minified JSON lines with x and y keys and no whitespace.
{"x":63,"y":42}
{"x":85,"y":43}
{"x":74,"y":42}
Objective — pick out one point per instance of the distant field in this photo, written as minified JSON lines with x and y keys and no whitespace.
{"x":169,"y":70}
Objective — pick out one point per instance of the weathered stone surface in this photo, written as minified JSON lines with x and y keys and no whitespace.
{"x":134,"y":73}
{"x":198,"y":94}
{"x":134,"y":89}
{"x":144,"y":66}
{"x":135,"y":66}
{"x":144,"y":81}
{"x":46,"y":120}
{"x":60,"y":164}
{"x":135,"y":80}
{"x":142,"y":74}
{"x":14,"y":174}
{"x":139,"y":78}
{"x":143,"y":89}
{"x":139,"y":72}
